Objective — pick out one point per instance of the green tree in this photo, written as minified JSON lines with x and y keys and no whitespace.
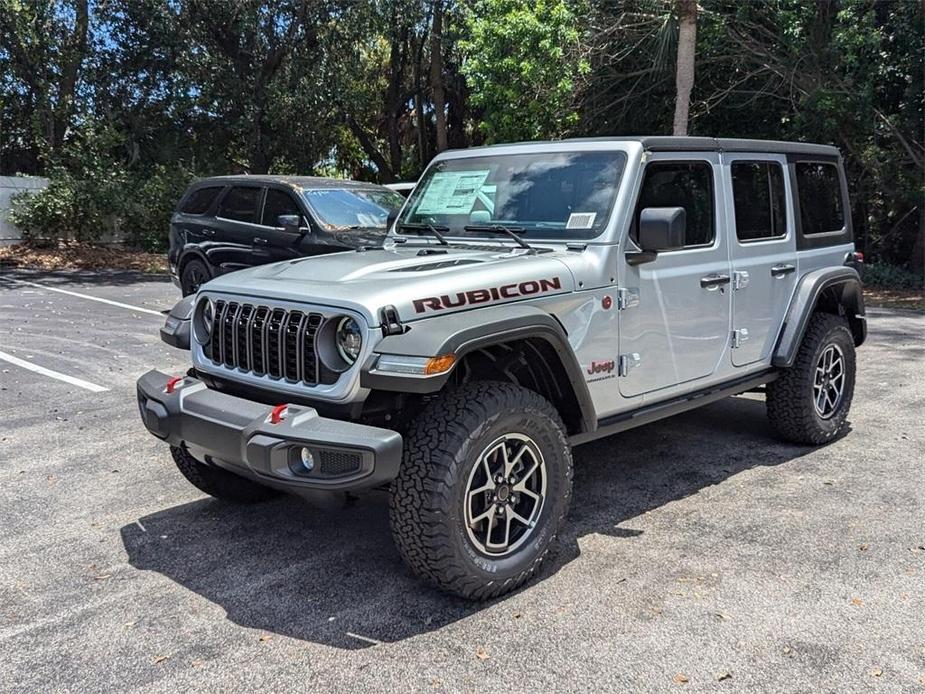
{"x":522,"y":61}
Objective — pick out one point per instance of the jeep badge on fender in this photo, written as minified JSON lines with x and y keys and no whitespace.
{"x":529,"y":298}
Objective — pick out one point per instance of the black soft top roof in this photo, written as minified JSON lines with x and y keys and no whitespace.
{"x":661,"y":143}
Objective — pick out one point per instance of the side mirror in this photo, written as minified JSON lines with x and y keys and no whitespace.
{"x":290,"y":222}
{"x":660,"y":229}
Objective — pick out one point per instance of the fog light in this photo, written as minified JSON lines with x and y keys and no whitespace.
{"x":301,"y":461}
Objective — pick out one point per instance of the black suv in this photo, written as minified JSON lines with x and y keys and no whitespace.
{"x":227,"y":223}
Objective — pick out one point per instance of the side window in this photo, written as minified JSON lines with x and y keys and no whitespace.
{"x":687,"y":184}
{"x":199,"y":201}
{"x":240,"y":204}
{"x":821,"y":206}
{"x":760,"y":202}
{"x":278,"y":202}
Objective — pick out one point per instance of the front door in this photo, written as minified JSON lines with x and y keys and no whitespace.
{"x":763,"y":250}
{"x":675,"y":329}
{"x":273,"y":242}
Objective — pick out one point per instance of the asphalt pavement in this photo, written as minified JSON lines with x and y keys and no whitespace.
{"x":701,"y":554}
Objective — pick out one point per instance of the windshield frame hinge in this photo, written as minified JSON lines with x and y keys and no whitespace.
{"x":390,"y":322}
{"x":627,"y":297}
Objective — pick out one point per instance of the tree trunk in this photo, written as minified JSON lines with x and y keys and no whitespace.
{"x":436,"y":75}
{"x":72,"y":61}
{"x":393,"y":101}
{"x":684,"y":76}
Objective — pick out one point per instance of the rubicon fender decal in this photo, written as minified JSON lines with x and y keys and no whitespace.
{"x":482,"y":296}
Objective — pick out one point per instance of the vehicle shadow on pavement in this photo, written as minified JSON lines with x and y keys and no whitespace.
{"x":333,"y":576}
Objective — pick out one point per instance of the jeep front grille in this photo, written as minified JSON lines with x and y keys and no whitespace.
{"x":265,"y":341}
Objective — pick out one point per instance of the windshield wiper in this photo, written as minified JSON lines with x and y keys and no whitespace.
{"x":426,"y":227}
{"x":510,"y":231}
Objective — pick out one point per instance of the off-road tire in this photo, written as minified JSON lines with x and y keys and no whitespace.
{"x":790,"y":396}
{"x":442,"y":445}
{"x":219,"y":483}
{"x":192,"y":270}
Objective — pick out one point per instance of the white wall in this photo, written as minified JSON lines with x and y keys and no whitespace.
{"x":10,"y":186}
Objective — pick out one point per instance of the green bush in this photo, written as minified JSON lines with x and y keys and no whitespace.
{"x":103,"y":204}
{"x":149,"y":207}
{"x":70,"y":208}
{"x":885,"y":276}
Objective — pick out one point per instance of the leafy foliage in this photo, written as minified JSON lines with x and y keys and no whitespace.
{"x":886,"y":276}
{"x":522,"y":63}
{"x":121,"y":102}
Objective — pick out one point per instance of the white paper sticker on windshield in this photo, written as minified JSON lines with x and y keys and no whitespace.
{"x":580,"y":220}
{"x":451,"y":192}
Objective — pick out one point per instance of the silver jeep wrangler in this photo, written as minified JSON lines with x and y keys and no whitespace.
{"x":528,"y":298}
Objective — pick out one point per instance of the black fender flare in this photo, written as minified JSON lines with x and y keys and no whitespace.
{"x":461,"y":333}
{"x":846,"y":283}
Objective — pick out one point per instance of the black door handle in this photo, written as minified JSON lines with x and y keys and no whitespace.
{"x":260,"y":241}
{"x":783,"y":269}
{"x":208,"y":232}
{"x":713,"y":281}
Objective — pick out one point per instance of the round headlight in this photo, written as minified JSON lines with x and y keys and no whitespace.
{"x":203,"y":318}
{"x":349,"y":339}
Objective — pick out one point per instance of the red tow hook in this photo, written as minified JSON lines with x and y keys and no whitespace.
{"x":278,"y":413}
{"x":172,"y":384}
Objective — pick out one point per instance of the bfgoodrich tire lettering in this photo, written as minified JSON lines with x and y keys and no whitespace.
{"x":219,"y":483}
{"x":427,"y":509}
{"x":792,"y":399}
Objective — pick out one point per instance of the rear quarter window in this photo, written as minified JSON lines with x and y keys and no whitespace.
{"x":822,"y":209}
{"x":200,"y":200}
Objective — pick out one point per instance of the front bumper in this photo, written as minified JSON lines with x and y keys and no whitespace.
{"x":238,"y":435}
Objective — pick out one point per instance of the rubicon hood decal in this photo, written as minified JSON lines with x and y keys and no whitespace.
{"x":481,"y":296}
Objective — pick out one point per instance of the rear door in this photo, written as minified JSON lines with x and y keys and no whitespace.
{"x":678,"y":328}
{"x":763,"y":249}
{"x":236,"y":224}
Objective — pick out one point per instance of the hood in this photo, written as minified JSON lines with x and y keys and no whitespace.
{"x":419,"y":281}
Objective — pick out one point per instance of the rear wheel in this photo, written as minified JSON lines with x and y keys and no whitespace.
{"x":217,"y":482}
{"x":809,"y":402}
{"x":483,"y":489}
{"x":195,"y":273}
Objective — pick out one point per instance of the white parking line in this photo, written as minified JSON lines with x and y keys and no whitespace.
{"x":91,"y":298}
{"x":16,"y":361}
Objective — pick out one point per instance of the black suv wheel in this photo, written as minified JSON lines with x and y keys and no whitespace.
{"x":484,"y":485}
{"x":195,"y":273}
{"x":809,"y":402}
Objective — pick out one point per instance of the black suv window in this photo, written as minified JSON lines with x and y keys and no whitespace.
{"x":278,"y":202}
{"x":687,"y":184}
{"x":240,"y":204}
{"x":758,"y":194}
{"x":199,"y":201}
{"x":821,"y":208}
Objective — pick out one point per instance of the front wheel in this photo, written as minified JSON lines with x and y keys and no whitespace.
{"x":809,"y":402}
{"x":484,"y":486}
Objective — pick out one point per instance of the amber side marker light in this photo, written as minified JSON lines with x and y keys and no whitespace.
{"x":439,"y":365}
{"x":415,"y":366}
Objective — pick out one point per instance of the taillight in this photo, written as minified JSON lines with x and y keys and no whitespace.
{"x":858,"y":257}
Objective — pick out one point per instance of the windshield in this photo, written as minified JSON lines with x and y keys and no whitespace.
{"x":544,"y":195}
{"x":354,"y":208}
